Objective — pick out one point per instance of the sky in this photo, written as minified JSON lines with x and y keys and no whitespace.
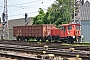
{"x":17,"y":8}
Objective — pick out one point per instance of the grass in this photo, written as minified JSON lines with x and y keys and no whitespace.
{"x":77,"y":44}
{"x":65,"y":44}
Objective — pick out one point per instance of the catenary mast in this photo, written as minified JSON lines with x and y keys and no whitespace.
{"x":6,"y":35}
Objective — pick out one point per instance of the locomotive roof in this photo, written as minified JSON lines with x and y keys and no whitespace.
{"x":69,"y":24}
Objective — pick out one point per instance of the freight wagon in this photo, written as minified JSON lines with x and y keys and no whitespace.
{"x":66,"y":33}
{"x":32,"y":31}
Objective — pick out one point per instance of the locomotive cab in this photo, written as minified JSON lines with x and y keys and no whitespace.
{"x":71,"y":32}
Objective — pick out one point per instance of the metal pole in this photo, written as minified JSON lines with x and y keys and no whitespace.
{"x":80,"y":19}
{"x":6,"y":33}
{"x":74,"y":11}
{"x":2,"y":33}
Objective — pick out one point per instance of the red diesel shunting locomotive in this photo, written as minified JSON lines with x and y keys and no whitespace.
{"x":66,"y":33}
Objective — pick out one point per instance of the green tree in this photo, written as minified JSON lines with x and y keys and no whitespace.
{"x":60,"y":12}
{"x":46,"y":19}
{"x":39,"y":18}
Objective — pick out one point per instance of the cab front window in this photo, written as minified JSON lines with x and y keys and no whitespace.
{"x":77,"y":27}
{"x":69,"y":27}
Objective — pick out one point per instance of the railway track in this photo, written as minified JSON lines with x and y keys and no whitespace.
{"x":54,"y":48}
{"x":51,"y":45}
{"x":39,"y":50}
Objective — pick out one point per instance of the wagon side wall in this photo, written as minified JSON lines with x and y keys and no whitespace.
{"x":33,"y":30}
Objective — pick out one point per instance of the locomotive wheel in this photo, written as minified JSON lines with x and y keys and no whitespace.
{"x":70,"y":40}
{"x":49,"y":40}
{"x":56,"y":38}
{"x":65,"y":41}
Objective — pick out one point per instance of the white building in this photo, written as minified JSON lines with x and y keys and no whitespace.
{"x":85,"y":21}
{"x":15,"y":22}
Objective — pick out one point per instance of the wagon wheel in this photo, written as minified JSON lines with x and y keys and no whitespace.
{"x":26,"y":39}
{"x":43,"y":39}
{"x":38,"y":39}
{"x":17,"y":38}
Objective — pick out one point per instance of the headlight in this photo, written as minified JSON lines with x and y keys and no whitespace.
{"x":81,"y":36}
{"x":73,"y":36}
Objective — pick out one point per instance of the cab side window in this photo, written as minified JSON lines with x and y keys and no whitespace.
{"x":63,"y":28}
{"x":69,"y":27}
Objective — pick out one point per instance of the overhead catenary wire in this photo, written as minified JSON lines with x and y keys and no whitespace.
{"x":25,"y":6}
{"x":26,"y":3}
{"x":20,"y":5}
{"x":39,"y":6}
{"x":28,"y":7}
{"x":23,"y":13}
